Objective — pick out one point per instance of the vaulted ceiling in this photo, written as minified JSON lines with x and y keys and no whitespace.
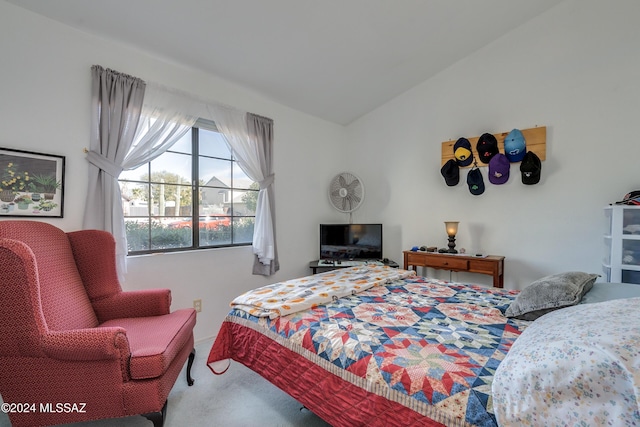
{"x":334,"y":59}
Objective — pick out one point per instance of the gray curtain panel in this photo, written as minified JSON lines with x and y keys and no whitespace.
{"x":116,"y":103}
{"x":261,"y":132}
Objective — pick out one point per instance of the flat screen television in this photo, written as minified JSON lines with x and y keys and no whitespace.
{"x":351,"y":241}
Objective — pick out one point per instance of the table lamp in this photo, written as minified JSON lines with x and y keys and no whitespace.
{"x":452,"y":230}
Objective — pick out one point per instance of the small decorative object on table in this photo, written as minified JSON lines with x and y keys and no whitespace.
{"x":452,"y":230}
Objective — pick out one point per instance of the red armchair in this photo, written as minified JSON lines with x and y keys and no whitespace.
{"x":73,"y":345}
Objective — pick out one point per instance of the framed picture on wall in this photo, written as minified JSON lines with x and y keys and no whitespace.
{"x":31,"y":184}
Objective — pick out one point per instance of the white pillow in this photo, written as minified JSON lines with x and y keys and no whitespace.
{"x":579,"y":364}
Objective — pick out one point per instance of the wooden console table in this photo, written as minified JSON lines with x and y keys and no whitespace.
{"x":491,"y":265}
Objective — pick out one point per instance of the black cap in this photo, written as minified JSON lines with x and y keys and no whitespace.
{"x":530,"y":168}
{"x":451,"y":172}
{"x":475,"y":182}
{"x":487,"y":147}
{"x":631,"y":198}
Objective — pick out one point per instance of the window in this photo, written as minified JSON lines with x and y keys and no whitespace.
{"x":193,"y":196}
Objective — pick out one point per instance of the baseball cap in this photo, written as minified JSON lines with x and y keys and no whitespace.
{"x":530,"y":168}
{"x":451,"y":173}
{"x":487,"y":147}
{"x":475,"y":182}
{"x":499,"y":169}
{"x":631,"y":198}
{"x":515,"y":146}
{"x":462,"y":152}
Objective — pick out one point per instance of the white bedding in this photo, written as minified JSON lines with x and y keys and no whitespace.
{"x":291,"y":296}
{"x":579,"y":366}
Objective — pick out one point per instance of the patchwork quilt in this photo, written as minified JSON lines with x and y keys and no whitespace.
{"x":415,"y":351}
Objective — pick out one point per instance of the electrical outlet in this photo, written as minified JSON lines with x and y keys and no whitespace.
{"x":197,"y":305}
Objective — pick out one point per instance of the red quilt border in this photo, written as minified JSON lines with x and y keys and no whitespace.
{"x":338,"y":402}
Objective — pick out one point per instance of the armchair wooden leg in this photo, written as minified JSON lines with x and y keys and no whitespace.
{"x":157,"y":418}
{"x":192,"y":356}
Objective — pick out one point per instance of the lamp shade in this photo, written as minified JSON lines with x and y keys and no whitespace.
{"x":452,"y":227}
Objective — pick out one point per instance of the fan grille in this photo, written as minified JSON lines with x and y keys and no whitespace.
{"x":346,"y":192}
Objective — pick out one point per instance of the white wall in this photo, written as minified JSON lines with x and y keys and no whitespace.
{"x":44,"y":104}
{"x":574,"y":69}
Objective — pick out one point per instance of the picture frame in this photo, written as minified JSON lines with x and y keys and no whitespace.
{"x":31,"y":184}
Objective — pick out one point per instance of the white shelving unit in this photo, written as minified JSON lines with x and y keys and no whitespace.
{"x":621,"y":262}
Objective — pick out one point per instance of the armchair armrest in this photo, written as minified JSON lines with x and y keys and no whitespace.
{"x":141,"y":303}
{"x":109,"y":343}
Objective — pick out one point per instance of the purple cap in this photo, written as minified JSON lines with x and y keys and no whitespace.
{"x":499,"y":169}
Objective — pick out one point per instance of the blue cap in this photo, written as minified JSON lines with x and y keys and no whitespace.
{"x":514,"y":146}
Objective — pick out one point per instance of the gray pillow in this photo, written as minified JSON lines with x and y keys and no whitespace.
{"x":550,"y":293}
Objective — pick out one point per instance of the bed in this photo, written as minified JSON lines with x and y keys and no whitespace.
{"x":376,"y":346}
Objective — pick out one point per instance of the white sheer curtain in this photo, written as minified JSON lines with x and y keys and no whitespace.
{"x":166,"y":117}
{"x":250,"y":138}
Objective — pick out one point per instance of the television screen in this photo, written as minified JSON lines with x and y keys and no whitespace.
{"x":351,"y":241}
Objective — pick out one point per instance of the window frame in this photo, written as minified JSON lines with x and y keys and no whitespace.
{"x":195,"y":188}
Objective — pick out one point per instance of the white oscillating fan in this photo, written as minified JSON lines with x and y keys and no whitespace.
{"x":346,"y":192}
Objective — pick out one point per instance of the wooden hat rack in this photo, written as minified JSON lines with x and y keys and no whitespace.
{"x":535,"y":140}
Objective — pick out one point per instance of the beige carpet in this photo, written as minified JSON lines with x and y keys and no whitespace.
{"x":238,"y":398}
